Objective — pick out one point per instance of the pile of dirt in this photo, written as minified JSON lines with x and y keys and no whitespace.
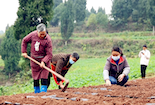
{"x":135,"y":92}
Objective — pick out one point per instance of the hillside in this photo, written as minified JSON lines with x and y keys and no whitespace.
{"x":100,"y":44}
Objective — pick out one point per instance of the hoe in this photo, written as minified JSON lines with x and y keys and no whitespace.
{"x":53,"y":72}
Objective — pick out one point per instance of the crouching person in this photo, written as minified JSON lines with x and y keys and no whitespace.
{"x":61,"y":63}
{"x":116,"y":69}
{"x":41,"y":50}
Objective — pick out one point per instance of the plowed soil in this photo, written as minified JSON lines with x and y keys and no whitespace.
{"x":135,"y":92}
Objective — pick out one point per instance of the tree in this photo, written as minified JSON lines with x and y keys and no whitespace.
{"x":57,"y":15}
{"x":67,"y":21}
{"x":92,"y":21}
{"x":56,"y":3}
{"x":135,"y":16}
{"x":10,"y":52}
{"x":80,"y":7}
{"x":30,"y":14}
{"x":101,"y":10}
{"x":134,"y":4}
{"x":136,"y":9}
{"x":87,"y":13}
{"x":151,"y":12}
{"x":142,"y":10}
{"x":124,"y":11}
{"x":102,"y":19}
{"x":139,"y":10}
{"x":93,"y":10}
{"x":121,"y":9}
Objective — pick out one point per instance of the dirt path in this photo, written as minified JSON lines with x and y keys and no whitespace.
{"x":136,"y":92}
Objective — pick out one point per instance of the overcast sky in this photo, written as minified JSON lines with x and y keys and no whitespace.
{"x":9,"y":8}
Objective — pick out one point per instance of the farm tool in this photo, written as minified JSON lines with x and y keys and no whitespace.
{"x":53,"y":72}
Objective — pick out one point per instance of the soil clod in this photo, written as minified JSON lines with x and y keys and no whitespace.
{"x":152,"y":97}
{"x":83,"y":99}
{"x":30,"y":97}
{"x":78,"y":93}
{"x":48,"y":96}
{"x":73,"y":99}
{"x":103,"y":88}
{"x":94,"y":93}
{"x":150,"y":104}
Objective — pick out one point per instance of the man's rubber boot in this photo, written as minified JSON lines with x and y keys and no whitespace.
{"x":43,"y":88}
{"x":37,"y":89}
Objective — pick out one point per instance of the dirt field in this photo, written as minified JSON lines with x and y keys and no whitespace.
{"x":136,"y":92}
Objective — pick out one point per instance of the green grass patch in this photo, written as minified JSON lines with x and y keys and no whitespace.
{"x":139,"y":35}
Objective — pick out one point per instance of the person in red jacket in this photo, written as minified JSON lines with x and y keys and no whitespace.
{"x":41,"y":50}
{"x":61,"y":63}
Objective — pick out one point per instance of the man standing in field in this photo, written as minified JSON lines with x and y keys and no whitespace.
{"x":41,"y":50}
{"x":144,"y":60}
{"x":61,"y":63}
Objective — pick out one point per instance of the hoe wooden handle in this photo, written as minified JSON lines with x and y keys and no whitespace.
{"x":53,"y":72}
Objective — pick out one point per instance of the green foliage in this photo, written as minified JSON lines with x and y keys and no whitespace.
{"x":116,"y":23}
{"x":56,"y":3}
{"x":93,"y":10}
{"x":30,"y":14}
{"x":10,"y":52}
{"x":135,"y":15}
{"x":134,"y":3}
{"x":79,"y":12}
{"x":80,"y":7}
{"x":102,"y":19}
{"x":142,"y":10}
{"x":79,"y":26}
{"x":92,"y":20}
{"x":121,"y":9}
{"x":87,"y":13}
{"x":23,"y":76}
{"x":151,"y":11}
{"x":67,"y":20}
{"x":101,"y":10}
{"x":57,"y":15}
{"x":131,"y":11}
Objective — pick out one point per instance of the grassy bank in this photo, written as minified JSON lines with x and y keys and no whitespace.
{"x":85,"y":72}
{"x":121,"y":35}
{"x":95,"y":45}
